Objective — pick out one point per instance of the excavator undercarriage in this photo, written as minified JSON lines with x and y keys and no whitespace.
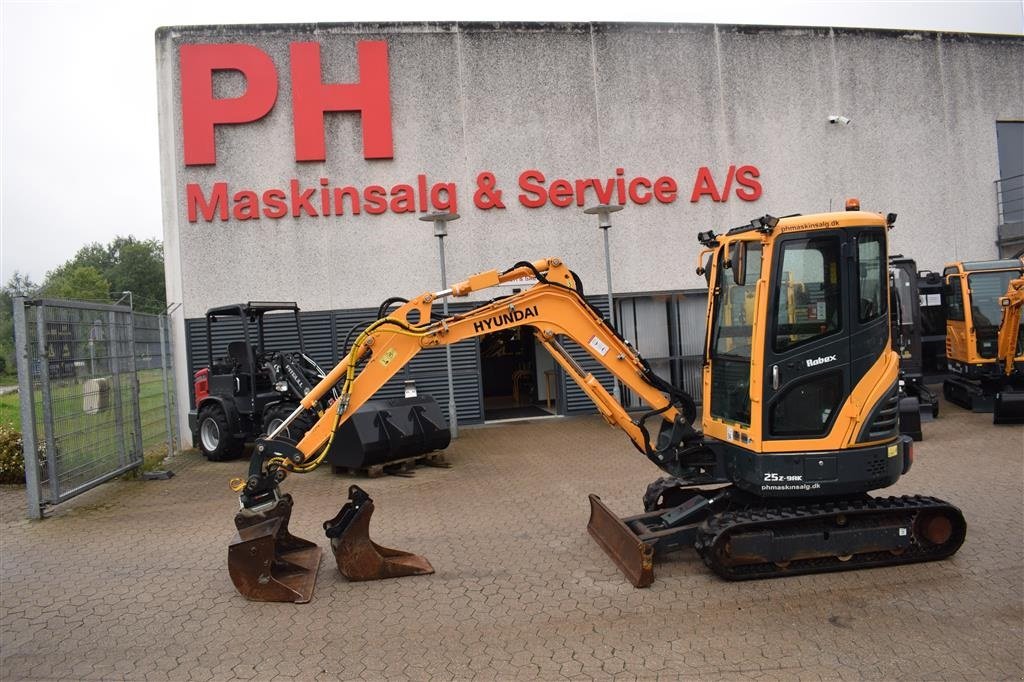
{"x":740,"y":537}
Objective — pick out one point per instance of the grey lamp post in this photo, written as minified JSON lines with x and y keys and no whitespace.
{"x":604,"y":223}
{"x":441,"y":221}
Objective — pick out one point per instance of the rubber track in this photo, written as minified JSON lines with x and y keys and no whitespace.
{"x":717,"y":529}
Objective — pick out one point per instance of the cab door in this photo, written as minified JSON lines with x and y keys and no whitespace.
{"x":807,"y":360}
{"x":828,"y":324}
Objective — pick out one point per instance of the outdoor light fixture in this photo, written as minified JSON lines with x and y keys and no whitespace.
{"x":840,"y":120}
{"x":440,"y":221}
{"x":765,"y":223}
{"x":604,"y":223}
{"x":708,"y":239}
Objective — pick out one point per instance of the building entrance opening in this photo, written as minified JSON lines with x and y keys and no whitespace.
{"x":518,"y":376}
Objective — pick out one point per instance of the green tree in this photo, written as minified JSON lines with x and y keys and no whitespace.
{"x":17,"y":285}
{"x":127,"y":264}
{"x":80,"y":282}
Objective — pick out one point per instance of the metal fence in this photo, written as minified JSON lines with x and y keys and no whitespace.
{"x":95,"y":394}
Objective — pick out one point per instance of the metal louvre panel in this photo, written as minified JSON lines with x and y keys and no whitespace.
{"x":318,"y":336}
{"x":324,"y":332}
{"x":576,"y":401}
{"x":691,"y":311}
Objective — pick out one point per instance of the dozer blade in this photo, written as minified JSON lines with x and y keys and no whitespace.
{"x":266,"y":562}
{"x":633,"y":556}
{"x":360,"y":558}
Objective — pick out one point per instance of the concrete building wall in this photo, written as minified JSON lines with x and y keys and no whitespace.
{"x":579,"y":101}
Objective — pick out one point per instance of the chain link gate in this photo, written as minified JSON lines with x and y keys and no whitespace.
{"x":94,"y":391}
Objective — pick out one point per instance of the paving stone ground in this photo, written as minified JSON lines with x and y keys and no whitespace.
{"x":130,"y":582}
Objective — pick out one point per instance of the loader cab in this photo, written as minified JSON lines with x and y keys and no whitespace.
{"x":233,"y":392}
{"x":798,"y":342}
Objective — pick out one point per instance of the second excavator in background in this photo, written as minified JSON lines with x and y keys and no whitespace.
{"x":799,"y":418}
{"x":984,"y":339}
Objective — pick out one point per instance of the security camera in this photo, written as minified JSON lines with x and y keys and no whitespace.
{"x":839,"y":119}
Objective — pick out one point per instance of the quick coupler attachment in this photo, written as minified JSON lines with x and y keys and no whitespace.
{"x":266,"y":562}
{"x":360,"y":558}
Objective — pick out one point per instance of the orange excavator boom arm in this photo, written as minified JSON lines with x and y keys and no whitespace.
{"x":1009,"y":326}
{"x":553,"y":306}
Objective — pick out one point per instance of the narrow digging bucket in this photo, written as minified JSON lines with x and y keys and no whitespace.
{"x":360,"y":558}
{"x":633,"y":556}
{"x":266,"y":562}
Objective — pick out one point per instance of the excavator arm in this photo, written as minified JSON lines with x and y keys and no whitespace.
{"x":1009,"y":326}
{"x":267,"y":563}
{"x":554,"y":307}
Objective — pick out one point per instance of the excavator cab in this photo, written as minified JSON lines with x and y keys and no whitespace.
{"x":803,"y":369}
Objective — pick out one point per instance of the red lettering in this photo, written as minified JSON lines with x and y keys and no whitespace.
{"x":604,"y":194}
{"x":560,"y":193}
{"x":274,"y":204}
{"x":704,"y":185}
{"x":620,"y":184}
{"x":218,"y":203}
{"x":665,"y":189}
{"x":750,"y":189}
{"x":201,"y":112}
{"x":728,"y":182}
{"x":581,"y":189}
{"x":376,"y":199}
{"x":371,"y":97}
{"x":247,"y":205}
{"x":300,"y":200}
{"x":403,"y":199}
{"x":527,"y":183}
{"x":353,"y":196}
{"x":451,"y":200}
{"x":634,"y":195}
{"x":421,"y":183}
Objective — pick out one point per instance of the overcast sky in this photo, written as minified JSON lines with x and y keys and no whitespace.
{"x":78,"y":122}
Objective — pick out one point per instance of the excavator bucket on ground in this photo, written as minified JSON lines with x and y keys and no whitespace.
{"x":360,"y":558}
{"x":266,"y":562}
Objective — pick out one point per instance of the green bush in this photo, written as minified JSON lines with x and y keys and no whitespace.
{"x":12,"y":462}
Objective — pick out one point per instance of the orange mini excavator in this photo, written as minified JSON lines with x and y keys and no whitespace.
{"x":799,"y":418}
{"x":984,"y":339}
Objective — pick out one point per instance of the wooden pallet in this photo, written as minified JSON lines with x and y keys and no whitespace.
{"x":397,"y":467}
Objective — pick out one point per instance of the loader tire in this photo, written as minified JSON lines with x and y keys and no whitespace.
{"x":215,"y":439}
{"x":278,"y":413}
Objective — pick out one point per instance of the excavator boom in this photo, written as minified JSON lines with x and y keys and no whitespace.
{"x":554,"y":307}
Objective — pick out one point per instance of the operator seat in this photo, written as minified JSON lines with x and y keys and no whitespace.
{"x":238,"y":351}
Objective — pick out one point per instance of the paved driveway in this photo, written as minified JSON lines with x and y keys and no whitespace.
{"x":130,"y":582}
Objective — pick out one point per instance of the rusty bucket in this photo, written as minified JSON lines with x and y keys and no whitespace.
{"x":266,"y":562}
{"x":360,"y":558}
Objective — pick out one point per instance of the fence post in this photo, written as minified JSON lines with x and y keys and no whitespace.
{"x":44,"y":385}
{"x":136,"y":393}
{"x":115,"y":370}
{"x":167,"y":393}
{"x":26,"y":399}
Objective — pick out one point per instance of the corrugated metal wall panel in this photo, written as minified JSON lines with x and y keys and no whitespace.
{"x":323,"y":333}
{"x":576,"y":401}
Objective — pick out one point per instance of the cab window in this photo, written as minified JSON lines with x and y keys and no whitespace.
{"x":871,"y":280}
{"x":808,"y":303}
